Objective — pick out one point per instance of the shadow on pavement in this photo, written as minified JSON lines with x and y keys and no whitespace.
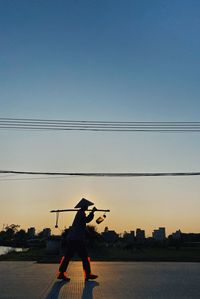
{"x":55,"y":290}
{"x":88,"y":289}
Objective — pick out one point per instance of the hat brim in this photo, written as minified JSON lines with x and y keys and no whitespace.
{"x":83,"y":203}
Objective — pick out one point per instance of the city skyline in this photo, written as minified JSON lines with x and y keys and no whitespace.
{"x":134,"y":231}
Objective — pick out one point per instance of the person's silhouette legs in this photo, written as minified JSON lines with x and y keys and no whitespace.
{"x":86,"y":262}
{"x":62,"y":274}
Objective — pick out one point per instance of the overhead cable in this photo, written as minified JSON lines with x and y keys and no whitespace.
{"x":102,"y":174}
{"x":110,"y":126}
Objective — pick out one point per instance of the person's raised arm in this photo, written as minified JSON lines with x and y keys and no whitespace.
{"x":91,"y":215}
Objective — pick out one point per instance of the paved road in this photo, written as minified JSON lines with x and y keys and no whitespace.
{"x":28,"y":280}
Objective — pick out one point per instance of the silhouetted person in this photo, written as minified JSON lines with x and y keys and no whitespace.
{"x":76,"y":241}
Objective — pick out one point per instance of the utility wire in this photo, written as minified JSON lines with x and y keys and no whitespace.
{"x":111,"y":126}
{"x":31,"y":178}
{"x":103,"y":174}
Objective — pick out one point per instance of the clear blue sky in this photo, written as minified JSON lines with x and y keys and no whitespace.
{"x":101,"y":60}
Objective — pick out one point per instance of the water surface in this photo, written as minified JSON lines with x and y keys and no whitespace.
{"x":6,"y":249}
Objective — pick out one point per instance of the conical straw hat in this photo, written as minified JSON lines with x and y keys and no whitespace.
{"x":83,"y":203}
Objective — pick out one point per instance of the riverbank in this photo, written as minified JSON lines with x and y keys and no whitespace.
{"x":112,"y":254}
{"x":7,"y":249}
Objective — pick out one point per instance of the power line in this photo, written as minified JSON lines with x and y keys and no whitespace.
{"x":102,"y":174}
{"x":92,"y":121}
{"x":110,"y":126}
{"x":30,"y":178}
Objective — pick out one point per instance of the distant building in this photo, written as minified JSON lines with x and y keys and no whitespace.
{"x":46,"y":233}
{"x":176,"y":235}
{"x":140,"y":234}
{"x":31,"y":232}
{"x":110,"y":236}
{"x":191,"y":239}
{"x":129,"y":237}
{"x":159,"y":234}
{"x":106,"y":229}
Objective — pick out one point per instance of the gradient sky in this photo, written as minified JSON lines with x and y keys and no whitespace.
{"x":112,"y":60}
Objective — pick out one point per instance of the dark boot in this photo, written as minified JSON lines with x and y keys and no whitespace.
{"x":90,"y":276}
{"x":63,"y":276}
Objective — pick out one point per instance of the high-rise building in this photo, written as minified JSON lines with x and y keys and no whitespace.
{"x":159,"y":234}
{"x":129,"y":237}
{"x":140,"y":234}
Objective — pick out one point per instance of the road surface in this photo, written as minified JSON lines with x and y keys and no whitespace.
{"x":117,"y":280}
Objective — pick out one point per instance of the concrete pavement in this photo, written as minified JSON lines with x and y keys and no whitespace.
{"x":117,"y":280}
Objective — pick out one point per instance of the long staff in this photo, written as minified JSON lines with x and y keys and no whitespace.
{"x":73,"y":210}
